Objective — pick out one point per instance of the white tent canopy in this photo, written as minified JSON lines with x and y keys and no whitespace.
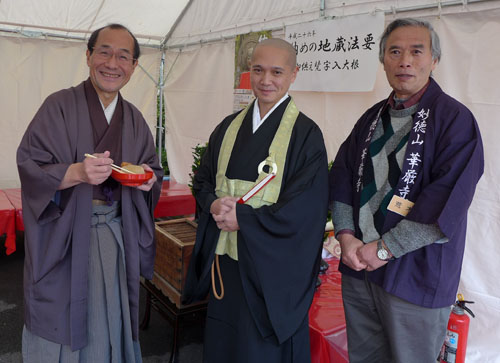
{"x":150,"y":20}
{"x":42,"y":49}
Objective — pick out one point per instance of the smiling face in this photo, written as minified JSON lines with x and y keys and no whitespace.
{"x":271,"y":74}
{"x":408,"y":60}
{"x":108,"y":76}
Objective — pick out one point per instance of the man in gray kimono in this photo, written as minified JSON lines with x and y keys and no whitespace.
{"x":87,"y":238}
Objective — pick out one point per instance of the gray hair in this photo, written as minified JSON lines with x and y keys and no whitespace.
{"x":398,"y":23}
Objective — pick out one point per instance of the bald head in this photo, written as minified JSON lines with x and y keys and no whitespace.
{"x":273,"y":69}
{"x":280,"y":44}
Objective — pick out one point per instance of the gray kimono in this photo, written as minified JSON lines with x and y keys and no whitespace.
{"x":57,"y":223}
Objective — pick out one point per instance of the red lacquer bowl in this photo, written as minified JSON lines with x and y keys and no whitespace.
{"x":131,"y":180}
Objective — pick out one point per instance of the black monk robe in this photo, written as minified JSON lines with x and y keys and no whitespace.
{"x":278,"y":245}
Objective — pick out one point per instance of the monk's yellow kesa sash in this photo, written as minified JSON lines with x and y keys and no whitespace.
{"x":227,"y":243}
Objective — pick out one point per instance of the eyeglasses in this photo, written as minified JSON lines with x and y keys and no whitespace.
{"x":122,"y":57}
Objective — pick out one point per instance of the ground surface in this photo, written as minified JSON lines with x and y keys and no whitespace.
{"x":155,"y":341}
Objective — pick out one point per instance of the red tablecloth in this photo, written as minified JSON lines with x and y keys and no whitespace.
{"x":14,"y":196}
{"x":8,"y":222}
{"x":175,"y":200}
{"x":326,"y":319}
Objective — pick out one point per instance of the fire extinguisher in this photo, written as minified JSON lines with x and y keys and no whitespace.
{"x":455,"y":344}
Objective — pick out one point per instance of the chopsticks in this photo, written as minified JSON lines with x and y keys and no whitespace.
{"x":113,"y":166}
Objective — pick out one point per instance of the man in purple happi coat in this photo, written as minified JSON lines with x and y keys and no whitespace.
{"x":87,"y":238}
{"x":400,"y":188}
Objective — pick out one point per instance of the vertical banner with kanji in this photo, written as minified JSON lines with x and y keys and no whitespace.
{"x":338,"y":55}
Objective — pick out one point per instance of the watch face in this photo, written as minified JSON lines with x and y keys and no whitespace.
{"x":382,"y":254}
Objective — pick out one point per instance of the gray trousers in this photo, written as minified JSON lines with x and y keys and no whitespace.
{"x":382,"y":328}
{"x":108,"y":317}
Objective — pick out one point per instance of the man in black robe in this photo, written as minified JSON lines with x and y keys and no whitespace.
{"x":267,"y":250}
{"x":87,"y":238}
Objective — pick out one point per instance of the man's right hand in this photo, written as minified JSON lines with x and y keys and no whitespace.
{"x":90,"y":170}
{"x":349,"y":246}
{"x":96,"y":171}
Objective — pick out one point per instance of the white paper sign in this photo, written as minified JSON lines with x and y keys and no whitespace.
{"x":242,"y":98}
{"x":338,"y":55}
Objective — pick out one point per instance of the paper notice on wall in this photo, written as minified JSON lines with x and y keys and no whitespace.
{"x":338,"y":55}
{"x":242,"y":98}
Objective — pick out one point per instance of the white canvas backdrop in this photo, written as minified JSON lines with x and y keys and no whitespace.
{"x":31,"y":69}
{"x":149,"y":20}
{"x":468,"y":71}
{"x":198,"y":94}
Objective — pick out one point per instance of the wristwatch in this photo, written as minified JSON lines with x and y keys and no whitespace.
{"x":382,"y":252}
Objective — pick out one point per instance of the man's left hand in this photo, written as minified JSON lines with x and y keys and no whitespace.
{"x":368,"y":255}
{"x":228,"y":221}
{"x":146,"y":187}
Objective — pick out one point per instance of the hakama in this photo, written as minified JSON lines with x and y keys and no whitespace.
{"x":109,"y":326}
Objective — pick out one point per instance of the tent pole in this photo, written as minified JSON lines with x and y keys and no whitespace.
{"x":177,"y":21}
{"x":147,"y":74}
{"x":160,"y":127}
{"x":42,"y":34}
{"x":162,"y":117}
{"x":33,"y":31}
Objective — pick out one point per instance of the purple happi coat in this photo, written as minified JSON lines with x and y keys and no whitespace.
{"x":442,"y":165}
{"x":57,"y":224}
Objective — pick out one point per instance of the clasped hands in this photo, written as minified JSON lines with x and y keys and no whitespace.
{"x":223,"y":211}
{"x":358,"y":255}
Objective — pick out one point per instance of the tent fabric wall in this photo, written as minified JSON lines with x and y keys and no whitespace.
{"x":468,"y":71}
{"x":198,"y":94}
{"x":149,"y":20}
{"x":34,"y":69}
{"x":472,"y":76}
{"x":205,"y":22}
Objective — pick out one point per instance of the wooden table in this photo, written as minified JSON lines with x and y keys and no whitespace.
{"x":161,"y":303}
